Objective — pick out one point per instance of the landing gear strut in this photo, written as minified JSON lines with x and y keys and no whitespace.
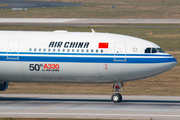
{"x":116,"y":97}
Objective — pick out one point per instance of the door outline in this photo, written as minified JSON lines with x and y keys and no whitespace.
{"x":122,"y":47}
{"x":15,"y":49}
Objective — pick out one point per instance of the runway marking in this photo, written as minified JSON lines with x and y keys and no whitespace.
{"x":78,"y":114}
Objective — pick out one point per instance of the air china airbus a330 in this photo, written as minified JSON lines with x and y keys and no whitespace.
{"x":79,"y":57}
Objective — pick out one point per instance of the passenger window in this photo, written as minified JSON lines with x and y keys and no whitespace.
{"x":154,"y":50}
{"x":54,"y":50}
{"x":58,"y":50}
{"x":49,"y":50}
{"x":63,"y":50}
{"x":72,"y":50}
{"x":68,"y":50}
{"x":97,"y":51}
{"x":34,"y":49}
{"x":101,"y":51}
{"x":87,"y":50}
{"x":77,"y":50}
{"x":39,"y":49}
{"x":82,"y":50}
{"x":92,"y":50}
{"x":30,"y":49}
{"x":148,"y":50}
{"x":44,"y":50}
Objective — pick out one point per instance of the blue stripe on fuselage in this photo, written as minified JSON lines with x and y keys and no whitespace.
{"x":97,"y":58}
{"x":91,"y":54}
{"x":87,"y":59}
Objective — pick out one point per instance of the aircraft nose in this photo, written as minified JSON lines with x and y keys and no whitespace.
{"x":172,"y":63}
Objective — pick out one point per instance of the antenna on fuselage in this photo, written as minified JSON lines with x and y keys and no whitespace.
{"x":92,"y":30}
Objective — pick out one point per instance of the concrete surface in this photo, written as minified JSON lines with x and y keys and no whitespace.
{"x":85,"y":20}
{"x":89,"y":106}
{"x":34,"y":4}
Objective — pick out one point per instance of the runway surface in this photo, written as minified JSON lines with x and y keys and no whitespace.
{"x":83,"y":21}
{"x":34,"y":4}
{"x":89,"y":106}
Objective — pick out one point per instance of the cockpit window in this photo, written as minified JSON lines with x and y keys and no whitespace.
{"x":148,"y":50}
{"x":160,"y":50}
{"x":154,"y":50}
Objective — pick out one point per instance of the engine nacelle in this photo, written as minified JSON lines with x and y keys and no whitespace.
{"x":3,"y":86}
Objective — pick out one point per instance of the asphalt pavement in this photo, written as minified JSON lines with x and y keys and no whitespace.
{"x":89,"y":106}
{"x":85,"y":21}
{"x":34,"y":4}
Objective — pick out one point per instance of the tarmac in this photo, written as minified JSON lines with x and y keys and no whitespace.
{"x":34,"y":4}
{"x":87,"y":22}
{"x":89,"y":106}
{"x":82,"y":21}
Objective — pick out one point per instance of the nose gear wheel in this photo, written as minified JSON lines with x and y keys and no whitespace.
{"x":117,"y":97}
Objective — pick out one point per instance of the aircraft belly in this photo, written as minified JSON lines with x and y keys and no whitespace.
{"x":86,"y":71}
{"x":11,"y":71}
{"x":112,"y":71}
{"x":62,"y":72}
{"x":35,"y":72}
{"x":140,"y":71}
{"x":14,"y":71}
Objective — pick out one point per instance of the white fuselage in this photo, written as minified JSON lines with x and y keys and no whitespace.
{"x":75,"y":57}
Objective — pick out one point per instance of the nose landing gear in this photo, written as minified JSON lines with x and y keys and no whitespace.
{"x":117,"y":97}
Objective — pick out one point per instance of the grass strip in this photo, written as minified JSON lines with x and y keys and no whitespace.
{"x":126,"y":9}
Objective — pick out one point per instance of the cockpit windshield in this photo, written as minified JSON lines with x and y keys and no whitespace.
{"x":160,"y":50}
{"x":154,"y":50}
{"x":150,"y":50}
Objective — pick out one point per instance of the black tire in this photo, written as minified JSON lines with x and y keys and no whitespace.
{"x":116,"y":97}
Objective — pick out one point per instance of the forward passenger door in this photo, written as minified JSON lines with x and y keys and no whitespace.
{"x":13,"y":49}
{"x":119,"y":51}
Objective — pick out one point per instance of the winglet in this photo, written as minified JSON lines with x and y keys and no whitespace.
{"x":92,"y":30}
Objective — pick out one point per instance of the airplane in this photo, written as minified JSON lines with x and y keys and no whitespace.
{"x":79,"y":57}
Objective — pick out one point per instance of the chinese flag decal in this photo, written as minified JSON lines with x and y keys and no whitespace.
{"x":103,"y":45}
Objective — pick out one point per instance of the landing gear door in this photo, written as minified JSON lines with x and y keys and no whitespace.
{"x":120,"y":51}
{"x":13,"y":49}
